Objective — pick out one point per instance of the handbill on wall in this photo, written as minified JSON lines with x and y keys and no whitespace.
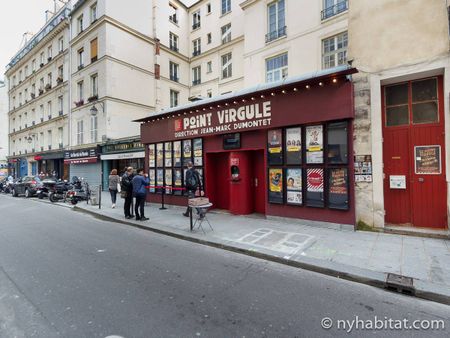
{"x":168,"y":180}
{"x":187,"y":151}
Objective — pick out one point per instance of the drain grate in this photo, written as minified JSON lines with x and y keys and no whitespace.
{"x":400,"y":283}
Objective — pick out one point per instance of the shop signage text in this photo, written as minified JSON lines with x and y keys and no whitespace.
{"x":226,"y":120}
{"x":81,"y":153}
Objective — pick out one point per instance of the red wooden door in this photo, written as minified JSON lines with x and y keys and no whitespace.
{"x":259,"y":182}
{"x":413,"y":150}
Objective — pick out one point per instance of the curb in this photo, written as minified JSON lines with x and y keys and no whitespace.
{"x":376,"y":279}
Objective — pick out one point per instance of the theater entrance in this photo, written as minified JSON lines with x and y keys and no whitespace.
{"x":236,"y":181}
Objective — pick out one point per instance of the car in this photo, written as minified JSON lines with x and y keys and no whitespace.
{"x":27,"y":186}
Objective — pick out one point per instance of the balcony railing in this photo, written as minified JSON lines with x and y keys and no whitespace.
{"x":196,"y":52}
{"x":196,"y":82}
{"x":340,"y":7}
{"x":174,"y":48}
{"x":174,"y":78}
{"x":196,"y":25}
{"x":276,"y":34}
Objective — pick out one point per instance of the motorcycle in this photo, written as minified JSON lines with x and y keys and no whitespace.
{"x":59,"y":191}
{"x":47,"y":186}
{"x":80,"y":191}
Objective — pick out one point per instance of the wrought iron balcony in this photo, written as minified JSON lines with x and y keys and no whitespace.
{"x":174,"y":78}
{"x":276,"y":34}
{"x":340,"y":7}
{"x":196,"y":82}
{"x":196,"y":25}
{"x":196,"y":52}
{"x":174,"y":48}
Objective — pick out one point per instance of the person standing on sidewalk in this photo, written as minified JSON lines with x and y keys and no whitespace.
{"x":113,"y":182}
{"x":127,"y":192}
{"x":192,"y":184}
{"x":140,"y":183}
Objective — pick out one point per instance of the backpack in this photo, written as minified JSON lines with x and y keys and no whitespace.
{"x":192,"y":180}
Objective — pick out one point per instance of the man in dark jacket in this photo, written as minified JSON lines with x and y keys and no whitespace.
{"x":127,"y":189}
{"x":192,"y":183}
{"x":140,"y":184}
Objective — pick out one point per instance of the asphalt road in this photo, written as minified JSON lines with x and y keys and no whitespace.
{"x":67,"y":274}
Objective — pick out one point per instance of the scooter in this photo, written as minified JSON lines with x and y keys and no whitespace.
{"x":79,"y":192}
{"x":59,"y":191}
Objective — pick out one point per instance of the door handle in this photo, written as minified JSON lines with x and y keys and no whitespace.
{"x":256,"y":182}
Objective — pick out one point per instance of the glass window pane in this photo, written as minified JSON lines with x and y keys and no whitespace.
{"x":397,"y":94}
{"x":397,"y":116}
{"x":425,"y":112}
{"x":337,"y":142}
{"x":424,"y":90}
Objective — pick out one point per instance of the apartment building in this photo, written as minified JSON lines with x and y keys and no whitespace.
{"x":3,"y":128}
{"x":38,"y":79}
{"x":402,"y":110}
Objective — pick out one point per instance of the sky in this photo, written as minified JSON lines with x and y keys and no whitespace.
{"x":18,"y":17}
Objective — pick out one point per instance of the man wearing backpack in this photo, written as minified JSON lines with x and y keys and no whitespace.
{"x":192,"y":183}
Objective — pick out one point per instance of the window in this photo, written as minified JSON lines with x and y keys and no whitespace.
{"x":277,"y":68}
{"x":33,"y":91}
{"x":33,"y":65}
{"x":173,"y":68}
{"x":41,"y":84}
{"x":20,"y":76}
{"x":61,"y":137}
{"x":209,"y":67}
{"x":197,"y":47}
{"x":60,"y":73}
{"x":80,"y":132}
{"x":61,"y":44}
{"x":49,"y":109}
{"x":196,"y":20}
{"x":173,"y":13}
{"x":333,"y":7}
{"x":94,"y":50}
{"x":173,"y":98}
{"x":226,"y":33}
{"x":49,"y":139}
{"x":334,"y":51}
{"x":80,"y":58}
{"x":93,"y":13}
{"x":226,"y":6}
{"x":415,"y":101}
{"x":49,"y":53}
{"x":196,"y":75}
{"x":42,"y":112}
{"x":173,"y":42}
{"x":80,"y":24}
{"x":276,"y":20}
{"x":60,"y":105}
{"x":42,"y":59}
{"x":26,"y":71}
{"x":209,"y":93}
{"x":227,"y":70}
{"x":209,"y":38}
{"x":49,"y":79}
{"x":80,"y":91}
{"x":41,"y":138}
{"x":94,"y":85}
{"x":94,"y":129}
{"x":208,"y":8}
{"x":26,"y":95}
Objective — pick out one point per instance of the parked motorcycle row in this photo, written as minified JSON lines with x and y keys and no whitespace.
{"x":72,"y":192}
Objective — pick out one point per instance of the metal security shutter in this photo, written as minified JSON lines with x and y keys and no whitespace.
{"x":91,"y":172}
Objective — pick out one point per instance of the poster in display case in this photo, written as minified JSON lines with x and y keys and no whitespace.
{"x":294,"y":186}
{"x":187,"y":151}
{"x":152,"y":179}
{"x":160,"y":155}
{"x":314,"y":144}
{"x":338,"y":188}
{"x":177,"y":153}
{"x":293,"y":145}
{"x":198,"y":152}
{"x":275,"y":185}
{"x":168,"y":154}
{"x":159,"y":180}
{"x":168,"y":180}
{"x":151,"y":156}
{"x":275,"y":147}
{"x":177,"y":181}
{"x":314,"y":190}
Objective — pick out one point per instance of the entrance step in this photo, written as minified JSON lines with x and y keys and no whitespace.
{"x":419,"y":232}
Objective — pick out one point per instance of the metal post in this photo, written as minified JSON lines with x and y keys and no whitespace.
{"x":162,"y":200}
{"x":100,"y":191}
{"x":190,"y":217}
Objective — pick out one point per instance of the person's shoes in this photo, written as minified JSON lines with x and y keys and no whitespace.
{"x":128,"y":217}
{"x":113,"y":206}
{"x":138,"y":218}
{"x":185,"y":214}
{"x":144,"y":218}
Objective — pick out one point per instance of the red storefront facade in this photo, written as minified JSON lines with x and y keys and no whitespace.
{"x":276,"y":150}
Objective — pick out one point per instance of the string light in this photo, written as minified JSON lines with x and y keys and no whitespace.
{"x":307,"y":86}
{"x":273,"y":94}
{"x":253,"y":99}
{"x":262,"y":96}
{"x":296,"y":89}
{"x":226,"y":104}
{"x":283,"y":91}
{"x":321,"y":84}
{"x":334,"y":80}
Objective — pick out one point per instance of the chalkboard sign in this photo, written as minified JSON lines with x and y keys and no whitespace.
{"x":428,"y":160}
{"x":338,"y":188}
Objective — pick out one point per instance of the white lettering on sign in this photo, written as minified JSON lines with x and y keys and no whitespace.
{"x":249,"y":116}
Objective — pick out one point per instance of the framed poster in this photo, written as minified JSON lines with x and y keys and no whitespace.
{"x":168,"y":181}
{"x":314,"y":144}
{"x":177,"y":153}
{"x":338,"y":188}
{"x":294,"y":186}
{"x":152,"y":178}
{"x":187,"y":151}
{"x":168,"y":154}
{"x":293,"y":145}
{"x":151,"y":156}
{"x":275,"y":185}
{"x":428,"y":160}
{"x":159,"y":179}
{"x":160,"y":154}
{"x":363,"y":168}
{"x":314,"y":191}
{"x":177,"y":181}
{"x":198,"y":152}
{"x":275,"y":146}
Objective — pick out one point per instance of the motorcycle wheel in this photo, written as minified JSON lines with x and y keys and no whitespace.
{"x":41,"y":196}
{"x":27,"y":193}
{"x":52,"y":198}
{"x":14,"y":194}
{"x":74,"y":202}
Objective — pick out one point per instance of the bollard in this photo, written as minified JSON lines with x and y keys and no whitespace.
{"x":162,"y":199}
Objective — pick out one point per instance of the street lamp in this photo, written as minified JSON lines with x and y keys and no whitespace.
{"x":94,"y":110}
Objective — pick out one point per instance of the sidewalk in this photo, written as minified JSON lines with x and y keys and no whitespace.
{"x":360,"y":256}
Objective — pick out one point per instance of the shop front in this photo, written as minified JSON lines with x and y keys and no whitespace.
{"x":121,"y":154}
{"x":280,"y":150}
{"x":51,"y":164}
{"x":84,"y":163}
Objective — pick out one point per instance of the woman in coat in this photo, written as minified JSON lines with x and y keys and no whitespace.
{"x":114,"y":181}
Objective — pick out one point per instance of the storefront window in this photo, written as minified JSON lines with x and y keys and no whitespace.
{"x":337,"y":142}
